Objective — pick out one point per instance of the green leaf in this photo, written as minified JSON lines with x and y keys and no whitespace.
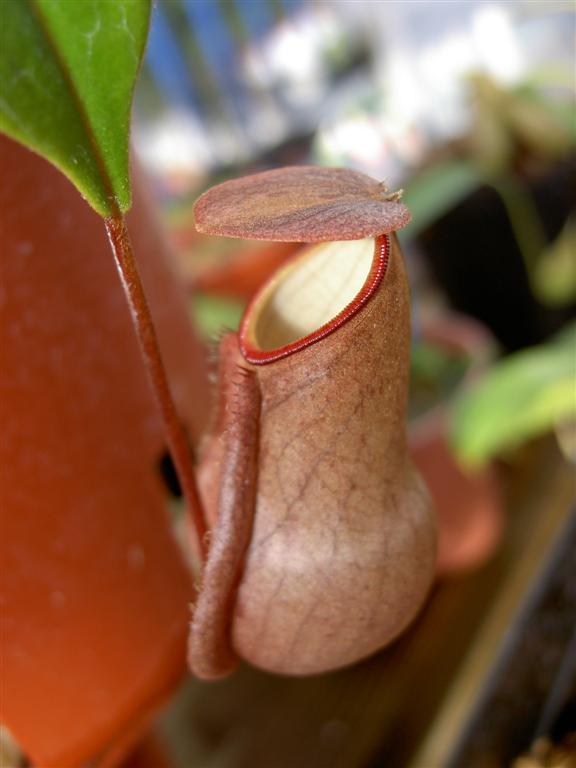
{"x":68,"y":69}
{"x":526,"y":394}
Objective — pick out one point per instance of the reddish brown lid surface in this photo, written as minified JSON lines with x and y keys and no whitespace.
{"x":301,"y":204}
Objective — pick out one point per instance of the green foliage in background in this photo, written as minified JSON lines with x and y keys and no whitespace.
{"x":436,"y":190}
{"x":555,"y":274}
{"x":507,"y":122}
{"x":213,"y":315}
{"x":68,"y":69}
{"x":435,"y":373}
{"x":528,"y":393}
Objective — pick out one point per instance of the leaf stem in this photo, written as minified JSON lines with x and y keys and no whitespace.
{"x":144,"y":327}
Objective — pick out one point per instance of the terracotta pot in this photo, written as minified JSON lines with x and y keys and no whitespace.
{"x":93,"y":592}
{"x":468,"y":505}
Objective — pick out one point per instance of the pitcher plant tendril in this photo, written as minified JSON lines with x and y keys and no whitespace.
{"x":139,"y":310}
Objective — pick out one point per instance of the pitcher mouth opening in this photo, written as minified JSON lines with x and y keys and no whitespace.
{"x":312,"y":296}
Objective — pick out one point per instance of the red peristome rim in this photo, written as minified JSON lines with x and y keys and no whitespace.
{"x":375,"y":277}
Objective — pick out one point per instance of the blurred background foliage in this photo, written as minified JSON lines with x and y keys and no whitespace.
{"x":467,"y":106}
